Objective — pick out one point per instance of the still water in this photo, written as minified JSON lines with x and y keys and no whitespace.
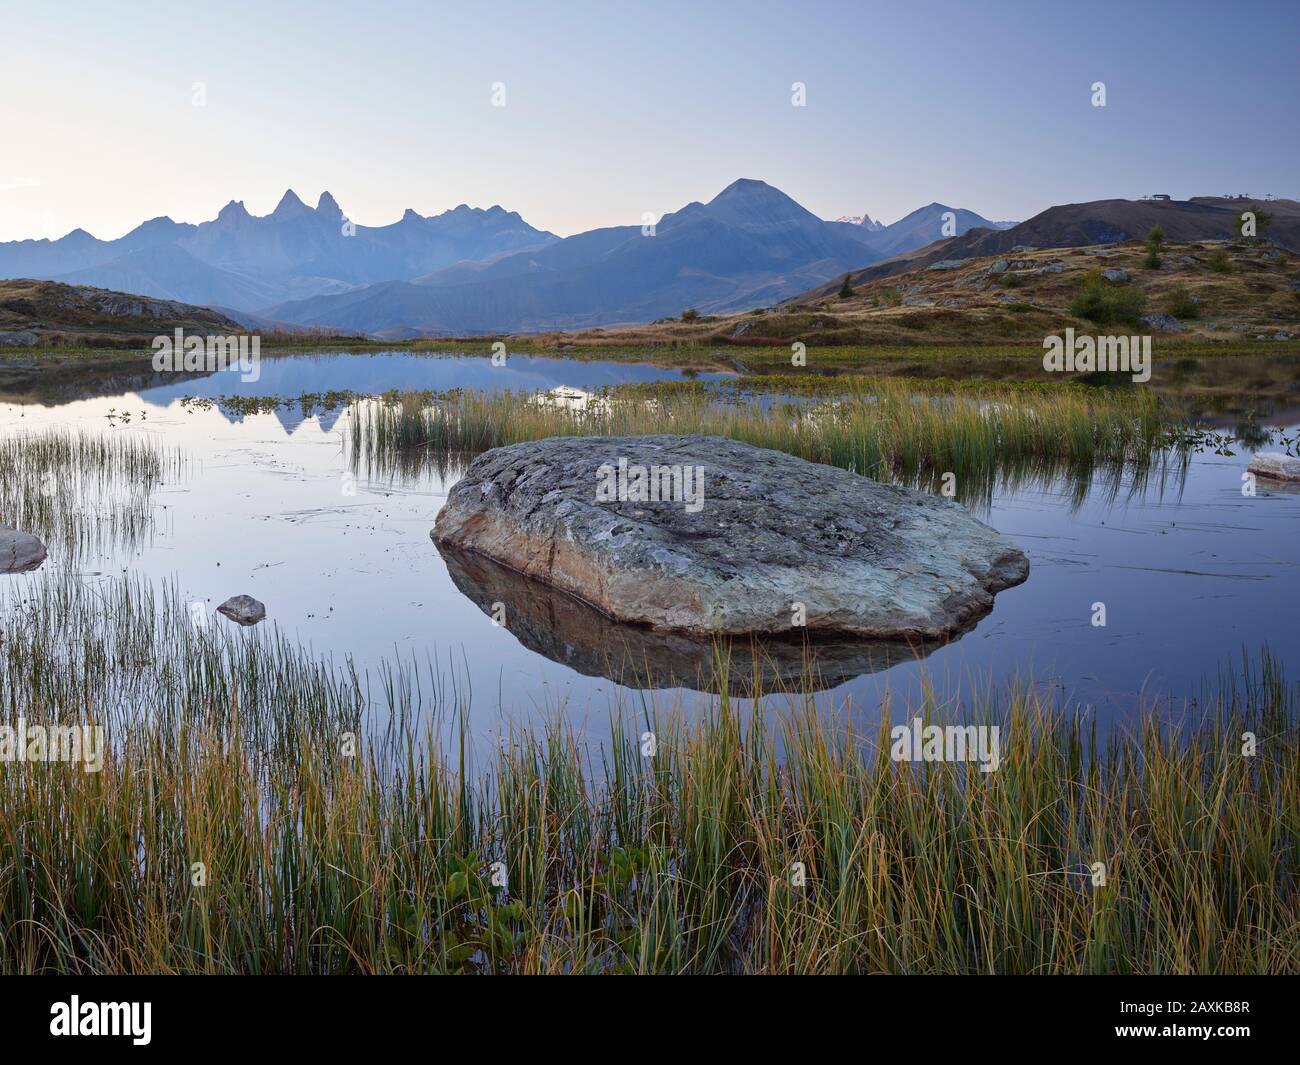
{"x":1189,"y":570}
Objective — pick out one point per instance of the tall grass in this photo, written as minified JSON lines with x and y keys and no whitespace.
{"x":317,"y":859}
{"x":880,"y":428}
{"x":80,"y":491}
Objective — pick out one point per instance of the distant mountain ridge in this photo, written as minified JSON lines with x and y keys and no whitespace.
{"x":248,"y":262}
{"x":750,"y":245}
{"x":1075,"y":225}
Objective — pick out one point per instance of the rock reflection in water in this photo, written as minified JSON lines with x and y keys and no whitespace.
{"x":575,"y":634}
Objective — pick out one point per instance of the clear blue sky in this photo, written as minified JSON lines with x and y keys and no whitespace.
{"x":618,"y":109}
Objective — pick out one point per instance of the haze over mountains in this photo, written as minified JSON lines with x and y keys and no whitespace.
{"x":244,"y":262}
{"x":470,"y":270}
{"x":473,"y":271}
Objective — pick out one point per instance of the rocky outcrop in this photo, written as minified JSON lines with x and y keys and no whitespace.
{"x":1165,"y":323}
{"x":743,"y":540}
{"x":19,"y":551}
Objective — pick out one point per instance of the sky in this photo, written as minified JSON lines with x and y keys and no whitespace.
{"x":613,"y":111}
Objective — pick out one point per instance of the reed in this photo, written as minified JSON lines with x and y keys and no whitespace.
{"x":879,"y":427}
{"x":80,"y":491}
{"x":233,"y":829}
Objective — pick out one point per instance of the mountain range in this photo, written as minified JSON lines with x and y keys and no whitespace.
{"x":470,"y":270}
{"x":1075,"y":225}
{"x":245,"y":262}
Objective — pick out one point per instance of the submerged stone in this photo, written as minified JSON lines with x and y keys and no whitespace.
{"x":753,"y":541}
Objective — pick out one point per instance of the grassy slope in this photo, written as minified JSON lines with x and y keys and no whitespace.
{"x":77,"y":314}
{"x":970,"y":305}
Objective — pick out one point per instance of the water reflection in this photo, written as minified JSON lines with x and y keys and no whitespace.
{"x":574,"y":634}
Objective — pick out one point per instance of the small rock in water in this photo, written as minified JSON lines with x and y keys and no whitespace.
{"x":735,"y":539}
{"x":243,"y":609}
{"x":1275,"y":466}
{"x":19,"y":551}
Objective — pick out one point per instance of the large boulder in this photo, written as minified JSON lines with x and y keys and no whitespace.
{"x":754,"y":541}
{"x":19,"y":551}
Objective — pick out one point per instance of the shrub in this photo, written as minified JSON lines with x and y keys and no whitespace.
{"x":690,"y":315}
{"x":1219,"y":262}
{"x":1181,"y":303}
{"x":1101,"y":302}
{"x":1154,"y":239}
{"x":846,"y":290}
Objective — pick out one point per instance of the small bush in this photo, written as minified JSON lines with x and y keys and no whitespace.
{"x":1219,"y":262}
{"x":1154,"y":239}
{"x":846,"y":290}
{"x":690,"y":315}
{"x":1011,"y":280}
{"x":1181,"y":303}
{"x":1101,"y":302}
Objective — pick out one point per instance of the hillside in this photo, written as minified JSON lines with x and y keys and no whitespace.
{"x":1221,"y":290}
{"x":47,"y":312}
{"x":1099,"y":222}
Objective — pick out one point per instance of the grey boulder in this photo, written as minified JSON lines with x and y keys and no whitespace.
{"x":19,"y":551}
{"x":1165,"y":323}
{"x":243,"y":609}
{"x":770,"y":541}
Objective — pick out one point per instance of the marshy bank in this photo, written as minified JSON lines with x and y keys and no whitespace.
{"x":882,"y":428}
{"x":249,"y":817}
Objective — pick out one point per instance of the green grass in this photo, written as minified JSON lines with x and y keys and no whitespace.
{"x":227,"y":748}
{"x":880,"y":428}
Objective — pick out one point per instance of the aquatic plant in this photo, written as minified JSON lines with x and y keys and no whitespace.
{"x":79,"y":490}
{"x":246,"y":820}
{"x":884,"y":428}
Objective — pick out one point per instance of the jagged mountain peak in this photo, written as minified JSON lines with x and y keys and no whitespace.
{"x":328,"y":207}
{"x":290,"y":206}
